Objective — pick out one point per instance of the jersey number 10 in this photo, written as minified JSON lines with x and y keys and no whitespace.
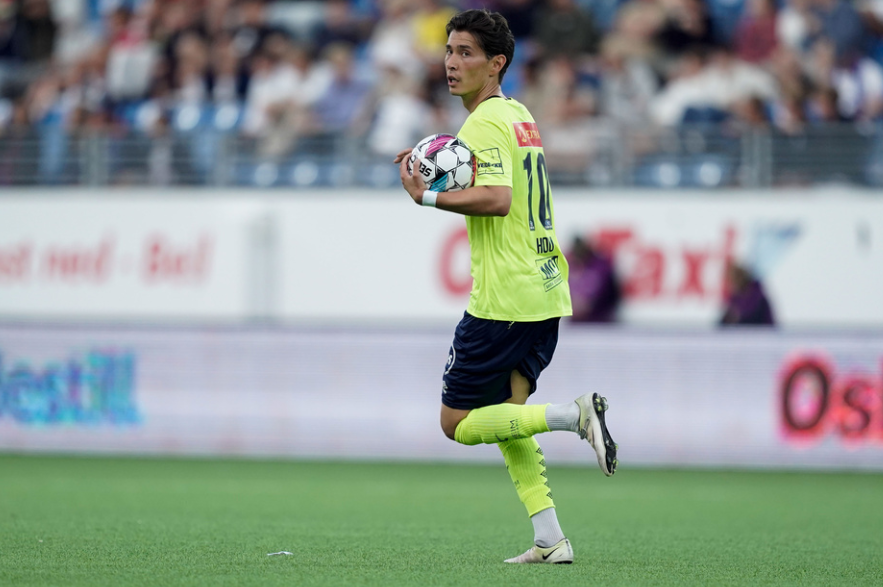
{"x":545,"y":211}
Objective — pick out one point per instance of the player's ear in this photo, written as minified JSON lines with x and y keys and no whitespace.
{"x":497,"y":63}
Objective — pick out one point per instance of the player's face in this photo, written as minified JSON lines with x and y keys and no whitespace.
{"x":467,"y":67}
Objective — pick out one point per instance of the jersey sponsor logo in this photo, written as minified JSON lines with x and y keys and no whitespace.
{"x":548,"y":268}
{"x":527,"y":134}
{"x":489,"y":162}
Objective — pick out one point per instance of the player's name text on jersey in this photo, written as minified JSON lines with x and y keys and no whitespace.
{"x":545,"y":245}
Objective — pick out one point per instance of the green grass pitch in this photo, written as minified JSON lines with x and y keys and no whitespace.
{"x":72,"y":521}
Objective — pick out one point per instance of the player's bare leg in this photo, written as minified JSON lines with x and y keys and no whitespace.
{"x":450,"y":418}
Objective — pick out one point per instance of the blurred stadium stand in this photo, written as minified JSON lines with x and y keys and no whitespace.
{"x":206,"y":155}
{"x":660,"y":94}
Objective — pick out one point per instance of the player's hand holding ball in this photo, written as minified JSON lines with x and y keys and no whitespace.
{"x":444,"y":164}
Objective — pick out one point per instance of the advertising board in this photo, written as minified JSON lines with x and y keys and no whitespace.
{"x":819,"y":255}
{"x":735,"y":399}
{"x":131,"y":256}
{"x":375,"y":258}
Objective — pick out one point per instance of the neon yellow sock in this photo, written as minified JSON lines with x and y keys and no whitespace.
{"x":527,"y":467}
{"x":493,"y":424}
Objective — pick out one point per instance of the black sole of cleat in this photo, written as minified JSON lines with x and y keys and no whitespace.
{"x":610,"y":447}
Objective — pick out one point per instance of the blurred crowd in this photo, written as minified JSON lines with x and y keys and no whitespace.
{"x":281,"y":71}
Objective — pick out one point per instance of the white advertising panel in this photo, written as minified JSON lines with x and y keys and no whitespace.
{"x":132,"y":256}
{"x":374,"y":257}
{"x":741,"y":399}
{"x":371,"y":256}
{"x":820,"y":255}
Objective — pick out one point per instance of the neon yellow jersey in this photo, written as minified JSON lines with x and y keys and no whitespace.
{"x":518,"y":270}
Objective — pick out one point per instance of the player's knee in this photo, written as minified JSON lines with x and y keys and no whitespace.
{"x":450,"y":419}
{"x":449,"y":428}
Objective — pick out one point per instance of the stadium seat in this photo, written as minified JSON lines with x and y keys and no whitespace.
{"x":711,"y":171}
{"x":304,"y":173}
{"x":603,"y":11}
{"x":693,"y":171}
{"x":659,"y":173}
{"x":704,"y":115}
{"x":226,"y":117}
{"x":188,"y":117}
{"x":725,"y":15}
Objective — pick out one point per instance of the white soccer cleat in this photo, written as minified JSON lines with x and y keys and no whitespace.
{"x":558,"y":554}
{"x":592,"y":428}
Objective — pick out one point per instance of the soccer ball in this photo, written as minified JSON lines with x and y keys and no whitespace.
{"x":447,"y":165}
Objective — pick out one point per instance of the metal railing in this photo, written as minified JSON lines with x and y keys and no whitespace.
{"x":697,"y":156}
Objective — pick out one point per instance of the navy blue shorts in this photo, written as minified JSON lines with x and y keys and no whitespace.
{"x":484,"y":354}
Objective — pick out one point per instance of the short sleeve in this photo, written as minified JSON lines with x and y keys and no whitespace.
{"x":489,"y":140}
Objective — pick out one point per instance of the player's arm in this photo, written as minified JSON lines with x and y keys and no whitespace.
{"x":483,"y":200}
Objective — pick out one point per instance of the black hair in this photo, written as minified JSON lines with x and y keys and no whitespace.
{"x":491,"y":32}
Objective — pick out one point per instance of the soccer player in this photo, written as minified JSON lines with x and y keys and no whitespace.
{"x":520,"y":292}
